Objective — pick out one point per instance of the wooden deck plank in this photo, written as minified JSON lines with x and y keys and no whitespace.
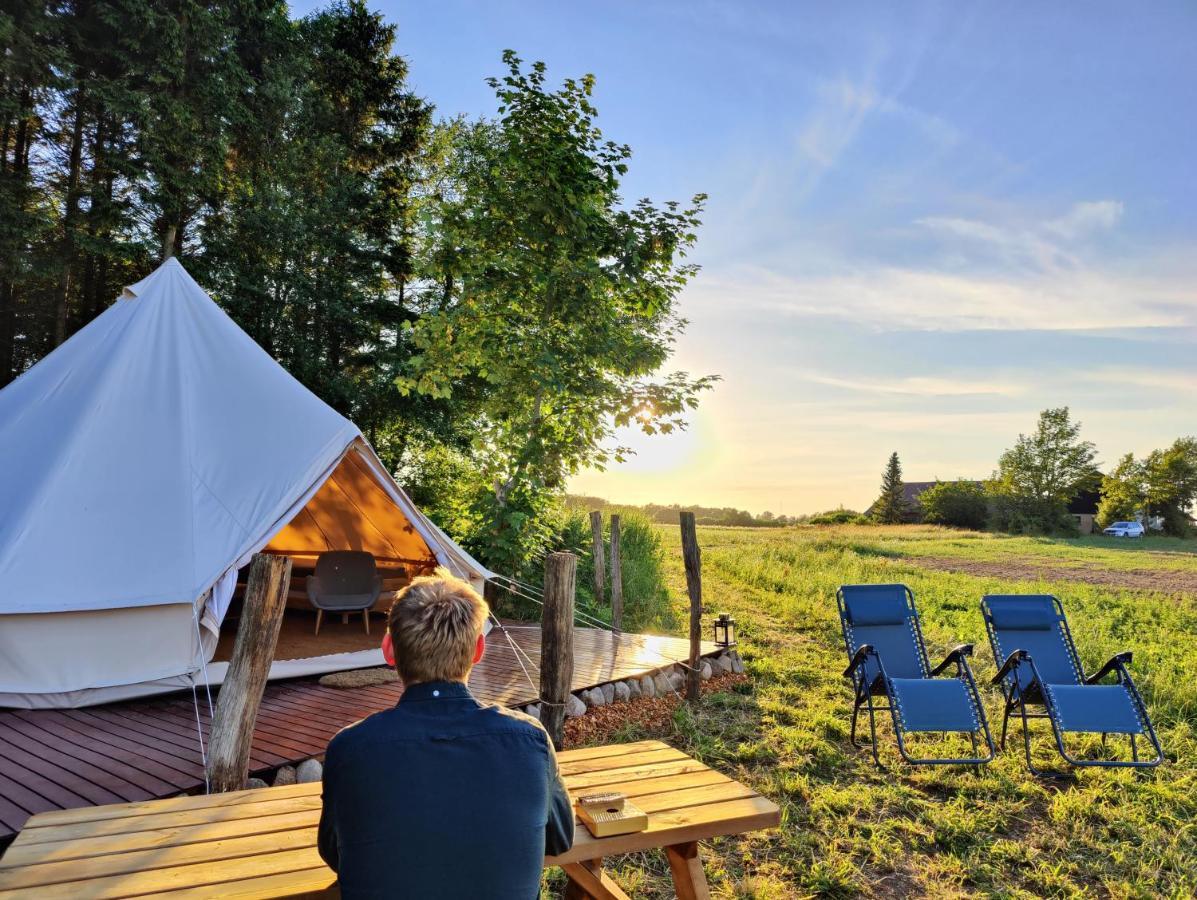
{"x":143,"y":749}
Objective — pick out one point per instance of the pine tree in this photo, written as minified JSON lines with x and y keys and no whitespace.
{"x":890,"y":508}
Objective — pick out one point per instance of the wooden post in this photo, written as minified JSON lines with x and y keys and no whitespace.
{"x":557,"y":642}
{"x":600,"y":564}
{"x":693,"y":559}
{"x":253,"y":651}
{"x":616,"y":579}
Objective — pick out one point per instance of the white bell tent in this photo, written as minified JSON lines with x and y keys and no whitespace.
{"x":144,"y":462}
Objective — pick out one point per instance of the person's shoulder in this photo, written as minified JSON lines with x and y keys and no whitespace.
{"x":517,"y":720}
{"x":360,"y":732}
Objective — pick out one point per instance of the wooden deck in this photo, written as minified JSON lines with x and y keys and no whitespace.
{"x":139,"y":750}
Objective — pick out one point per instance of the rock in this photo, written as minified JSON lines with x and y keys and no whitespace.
{"x":648,"y":687}
{"x":252,"y":784}
{"x":284,"y":775}
{"x":309,"y":771}
{"x":594,"y":697}
{"x":574,"y":707}
{"x":608,"y":690}
{"x":705,"y":671}
{"x":661,"y":680}
{"x":533,"y":709}
{"x":677,"y":680}
{"x":621,"y":691}
{"x":634,"y":691}
{"x":737,"y":664}
{"x":723,"y":664}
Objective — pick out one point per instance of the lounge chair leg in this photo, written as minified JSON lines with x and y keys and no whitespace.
{"x":1005,"y":724}
{"x":873,"y":733}
{"x":855,"y":714}
{"x":319,"y":617}
{"x":1134,"y":749}
{"x":366,"y":619}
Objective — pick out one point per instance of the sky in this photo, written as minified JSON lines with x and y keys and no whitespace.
{"x":927,"y":222}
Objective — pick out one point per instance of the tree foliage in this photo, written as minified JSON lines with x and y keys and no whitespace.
{"x":1161,"y":485}
{"x":1041,"y":473}
{"x":959,"y":504}
{"x":548,"y":303}
{"x":476,"y":296}
{"x":891,"y":507}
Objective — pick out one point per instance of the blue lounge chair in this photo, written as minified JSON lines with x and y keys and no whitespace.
{"x":1039,"y":666}
{"x":889,"y":661}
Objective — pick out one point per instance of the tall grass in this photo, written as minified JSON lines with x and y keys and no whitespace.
{"x":853,"y":830}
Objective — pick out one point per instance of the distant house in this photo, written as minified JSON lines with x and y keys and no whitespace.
{"x":1083,"y":508}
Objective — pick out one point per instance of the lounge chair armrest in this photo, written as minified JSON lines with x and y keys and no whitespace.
{"x":1114,"y":663}
{"x":957,"y":655}
{"x":865,"y":651}
{"x":1012,"y":662}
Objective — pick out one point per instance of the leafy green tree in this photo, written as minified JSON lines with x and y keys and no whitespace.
{"x":959,"y":504}
{"x":548,"y":304}
{"x":1123,"y":492}
{"x":891,"y":507}
{"x":1041,"y":473}
{"x":1170,"y":480}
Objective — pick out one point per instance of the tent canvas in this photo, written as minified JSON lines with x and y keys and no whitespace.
{"x":144,"y":462}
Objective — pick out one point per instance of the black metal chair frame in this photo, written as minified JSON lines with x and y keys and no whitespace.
{"x":1017,"y":697}
{"x":881,"y":687}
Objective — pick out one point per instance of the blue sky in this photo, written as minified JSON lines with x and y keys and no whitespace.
{"x":927,"y":221}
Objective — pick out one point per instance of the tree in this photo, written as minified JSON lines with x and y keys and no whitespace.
{"x":891,"y":507}
{"x":1171,"y":484}
{"x":1041,"y":473}
{"x":1123,"y":492}
{"x":547,"y":304}
{"x":959,"y":504}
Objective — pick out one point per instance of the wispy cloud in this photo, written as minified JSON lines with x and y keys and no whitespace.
{"x":1087,"y":217}
{"x":918,"y":386}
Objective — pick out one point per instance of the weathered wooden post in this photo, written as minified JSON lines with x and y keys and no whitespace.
{"x":253,"y":651}
{"x":557,"y":642}
{"x":693,"y":560}
{"x":600,"y":564}
{"x":616,"y":578}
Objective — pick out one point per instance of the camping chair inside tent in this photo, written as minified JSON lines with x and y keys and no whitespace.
{"x":889,"y":660}
{"x":1039,"y":666}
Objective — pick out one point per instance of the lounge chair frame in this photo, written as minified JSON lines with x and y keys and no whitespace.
{"x":864,"y":694}
{"x":1020,"y":682}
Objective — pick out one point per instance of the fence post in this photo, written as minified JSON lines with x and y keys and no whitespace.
{"x":600,"y":564}
{"x":693,"y":560}
{"x":616,"y":579}
{"x":557,"y":642}
{"x":241,"y":694}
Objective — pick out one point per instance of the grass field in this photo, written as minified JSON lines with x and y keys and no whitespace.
{"x":851,"y":830}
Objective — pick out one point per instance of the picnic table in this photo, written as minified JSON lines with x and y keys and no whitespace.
{"x":262,"y":843}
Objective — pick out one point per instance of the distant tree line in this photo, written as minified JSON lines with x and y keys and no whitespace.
{"x":475,"y":295}
{"x":1041,"y":475}
{"x":703,"y":515}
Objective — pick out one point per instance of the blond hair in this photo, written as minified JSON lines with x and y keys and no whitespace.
{"x":434,"y":624}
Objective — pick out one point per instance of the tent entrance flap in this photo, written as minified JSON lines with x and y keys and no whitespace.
{"x":352,"y":511}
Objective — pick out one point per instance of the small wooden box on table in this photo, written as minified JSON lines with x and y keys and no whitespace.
{"x":263,"y":843}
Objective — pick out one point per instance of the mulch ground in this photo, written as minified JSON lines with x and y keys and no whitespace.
{"x":654,"y":715}
{"x":1164,"y":581}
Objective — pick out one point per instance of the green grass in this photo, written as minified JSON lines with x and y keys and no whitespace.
{"x":851,"y":830}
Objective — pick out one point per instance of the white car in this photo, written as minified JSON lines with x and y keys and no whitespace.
{"x":1125,"y":529}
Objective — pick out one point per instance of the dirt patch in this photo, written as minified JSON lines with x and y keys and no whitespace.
{"x":653,"y":714}
{"x":1164,"y":581}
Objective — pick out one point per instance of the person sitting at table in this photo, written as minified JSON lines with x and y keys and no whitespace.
{"x":442,"y":796}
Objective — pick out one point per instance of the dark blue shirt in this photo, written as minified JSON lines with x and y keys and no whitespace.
{"x":443,"y":797}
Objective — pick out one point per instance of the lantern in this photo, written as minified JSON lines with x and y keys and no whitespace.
{"x":725,"y":631}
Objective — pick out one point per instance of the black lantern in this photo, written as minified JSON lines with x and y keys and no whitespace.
{"x":725,"y":631}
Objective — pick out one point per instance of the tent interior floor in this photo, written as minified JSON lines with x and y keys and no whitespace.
{"x":297,"y":638}
{"x":143,"y":749}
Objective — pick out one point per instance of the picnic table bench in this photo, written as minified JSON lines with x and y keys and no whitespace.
{"x":262,"y":843}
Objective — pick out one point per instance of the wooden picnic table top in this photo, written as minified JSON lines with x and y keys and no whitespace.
{"x":262,"y":843}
